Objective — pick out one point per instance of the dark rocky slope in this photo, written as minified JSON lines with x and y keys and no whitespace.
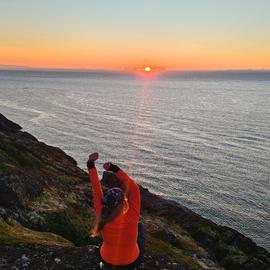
{"x":46,"y":215}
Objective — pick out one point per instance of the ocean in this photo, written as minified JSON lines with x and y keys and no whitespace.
{"x":199,"y":138}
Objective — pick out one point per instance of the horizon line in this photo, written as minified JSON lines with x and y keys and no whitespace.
{"x":31,"y":68}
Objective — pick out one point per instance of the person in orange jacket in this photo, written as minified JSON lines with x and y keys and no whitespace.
{"x":117,"y":219}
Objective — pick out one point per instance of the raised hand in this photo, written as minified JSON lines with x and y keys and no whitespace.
{"x":93,"y":157}
{"x":107,"y":166}
{"x":91,"y":160}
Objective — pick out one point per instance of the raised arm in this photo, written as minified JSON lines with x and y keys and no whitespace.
{"x":132,"y":188}
{"x":94,"y":180}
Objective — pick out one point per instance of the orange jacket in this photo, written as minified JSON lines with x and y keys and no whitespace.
{"x":119,"y":235}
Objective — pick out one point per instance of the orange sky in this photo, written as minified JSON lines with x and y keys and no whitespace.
{"x":95,"y":35}
{"x":119,"y":57}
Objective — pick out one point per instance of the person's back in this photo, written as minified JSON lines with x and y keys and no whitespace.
{"x":120,"y":232}
{"x":120,"y":241}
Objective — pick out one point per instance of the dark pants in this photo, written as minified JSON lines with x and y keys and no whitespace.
{"x":137,"y":262}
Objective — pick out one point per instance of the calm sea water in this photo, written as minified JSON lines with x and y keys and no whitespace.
{"x":201,"y":139}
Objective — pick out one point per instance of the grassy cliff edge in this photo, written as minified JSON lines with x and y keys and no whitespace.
{"x":46,"y":206}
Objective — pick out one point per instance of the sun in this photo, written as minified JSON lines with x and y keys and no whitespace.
{"x":147,"y":69}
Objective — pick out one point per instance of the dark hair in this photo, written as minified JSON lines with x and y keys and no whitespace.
{"x":113,"y":203}
{"x":107,"y":215}
{"x":113,"y":197}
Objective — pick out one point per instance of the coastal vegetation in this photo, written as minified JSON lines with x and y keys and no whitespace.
{"x":46,"y":208}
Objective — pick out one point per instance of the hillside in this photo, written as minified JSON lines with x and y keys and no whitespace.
{"x":46,"y":215}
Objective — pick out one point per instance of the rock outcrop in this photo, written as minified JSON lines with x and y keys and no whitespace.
{"x":46,"y":215}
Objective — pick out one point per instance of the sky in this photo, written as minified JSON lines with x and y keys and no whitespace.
{"x":124,"y":34}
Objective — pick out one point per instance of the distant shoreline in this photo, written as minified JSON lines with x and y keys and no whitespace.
{"x":70,"y":69}
{"x":241,"y":75}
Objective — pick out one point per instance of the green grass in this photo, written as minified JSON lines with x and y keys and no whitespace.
{"x":74,"y":224}
{"x":16,"y":154}
{"x":234,"y":261}
{"x":184,"y":244}
{"x":159,"y":247}
{"x":11,"y":234}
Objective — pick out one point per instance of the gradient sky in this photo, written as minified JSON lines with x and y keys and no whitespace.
{"x":117,"y":34}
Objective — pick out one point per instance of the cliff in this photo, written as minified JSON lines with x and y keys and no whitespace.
{"x":46,"y":215}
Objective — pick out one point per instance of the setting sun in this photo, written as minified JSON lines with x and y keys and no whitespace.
{"x":147,"y":69}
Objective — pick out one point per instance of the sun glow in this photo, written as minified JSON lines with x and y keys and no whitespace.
{"x":147,"y":69}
